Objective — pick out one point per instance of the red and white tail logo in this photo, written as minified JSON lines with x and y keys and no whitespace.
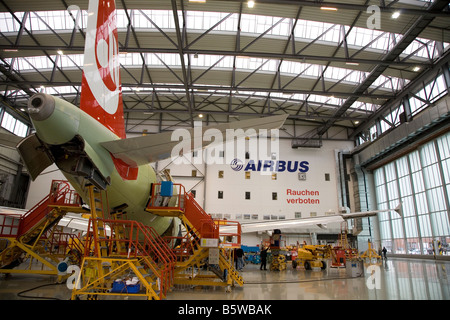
{"x":101,"y":92}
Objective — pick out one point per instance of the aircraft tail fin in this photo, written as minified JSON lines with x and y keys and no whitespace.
{"x":101,"y":91}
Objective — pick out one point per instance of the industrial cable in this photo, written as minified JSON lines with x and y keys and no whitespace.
{"x":21,"y":294}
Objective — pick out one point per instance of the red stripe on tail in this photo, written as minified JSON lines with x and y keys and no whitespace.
{"x":101,"y":91}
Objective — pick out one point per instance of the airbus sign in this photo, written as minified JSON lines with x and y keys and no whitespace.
{"x":236,"y":165}
{"x":270,"y":165}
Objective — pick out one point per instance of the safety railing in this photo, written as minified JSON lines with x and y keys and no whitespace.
{"x":166,"y":201}
{"x":60,"y":194}
{"x":61,"y":243}
{"x":185,"y":203}
{"x":140,"y":241}
{"x":9,"y":225}
{"x":230,"y":235}
{"x":183,"y":247}
{"x":200,"y":219}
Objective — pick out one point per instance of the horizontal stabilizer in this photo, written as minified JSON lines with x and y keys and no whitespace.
{"x":141,"y":150}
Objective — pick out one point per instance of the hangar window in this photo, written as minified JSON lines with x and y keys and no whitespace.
{"x":14,"y":125}
{"x":420,"y":181}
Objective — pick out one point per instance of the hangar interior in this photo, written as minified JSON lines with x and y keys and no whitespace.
{"x":364,"y":84}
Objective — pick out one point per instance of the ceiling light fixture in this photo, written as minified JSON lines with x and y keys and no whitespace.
{"x":60,"y":52}
{"x":250,"y":3}
{"x":416,"y":69}
{"x":328,"y":8}
{"x":395,"y":15}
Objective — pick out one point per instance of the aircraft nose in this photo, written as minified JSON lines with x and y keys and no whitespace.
{"x":41,"y":106}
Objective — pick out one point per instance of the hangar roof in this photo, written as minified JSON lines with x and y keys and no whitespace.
{"x":326,"y":64}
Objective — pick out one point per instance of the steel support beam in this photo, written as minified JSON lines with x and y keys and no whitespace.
{"x":414,"y":31}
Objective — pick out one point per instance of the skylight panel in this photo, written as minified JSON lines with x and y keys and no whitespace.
{"x":157,"y":59}
{"x":227,"y":62}
{"x":199,"y":20}
{"x":392,"y":83}
{"x":56,"y":20}
{"x":40,"y":62}
{"x":8,"y":23}
{"x":144,"y":18}
{"x":293,"y":67}
{"x":364,"y":106}
{"x":130,"y":59}
{"x":60,"y":90}
{"x":205,"y":60}
{"x":422,"y":48}
{"x":73,"y":60}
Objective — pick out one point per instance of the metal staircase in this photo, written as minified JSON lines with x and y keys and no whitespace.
{"x":118,"y":249}
{"x":29,"y":235}
{"x":202,"y":237}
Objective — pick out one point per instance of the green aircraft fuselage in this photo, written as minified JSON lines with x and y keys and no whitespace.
{"x":58,"y":124}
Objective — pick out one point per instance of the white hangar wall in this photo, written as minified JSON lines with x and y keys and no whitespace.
{"x":310,"y":190}
{"x":308,"y":193}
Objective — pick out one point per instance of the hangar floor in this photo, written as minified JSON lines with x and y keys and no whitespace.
{"x":399,"y":279}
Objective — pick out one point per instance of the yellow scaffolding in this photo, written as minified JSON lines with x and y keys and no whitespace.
{"x":30,"y":236}
{"x":117,"y":250}
{"x":204,"y":256}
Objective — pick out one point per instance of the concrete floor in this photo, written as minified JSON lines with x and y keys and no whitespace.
{"x":396,"y":279}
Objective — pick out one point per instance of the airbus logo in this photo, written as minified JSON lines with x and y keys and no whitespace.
{"x":236,"y":165}
{"x":272,"y":166}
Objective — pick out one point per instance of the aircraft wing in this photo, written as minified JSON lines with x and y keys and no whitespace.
{"x":353,"y":215}
{"x":320,"y":222}
{"x":150,"y":148}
